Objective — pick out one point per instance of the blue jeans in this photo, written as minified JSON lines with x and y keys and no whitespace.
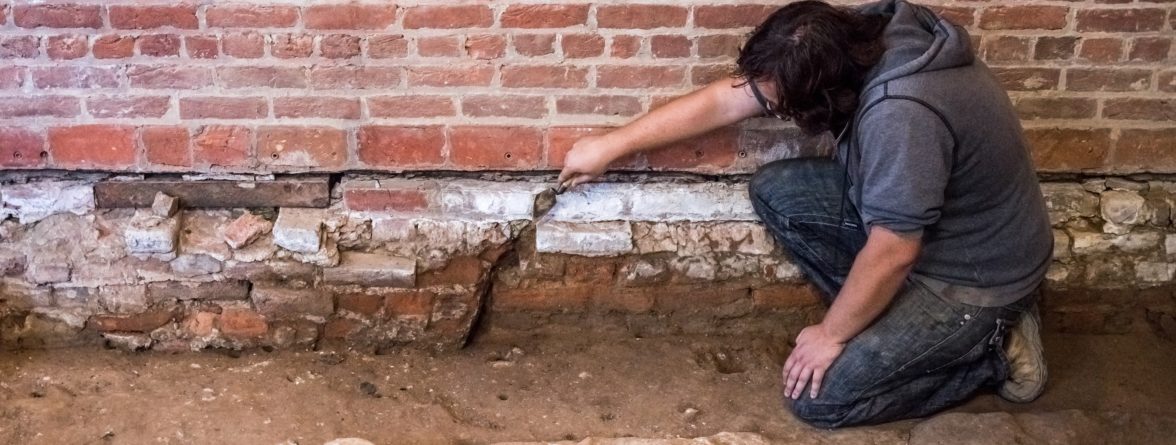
{"x":922,"y":355}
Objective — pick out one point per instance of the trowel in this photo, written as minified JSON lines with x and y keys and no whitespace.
{"x":546,"y":200}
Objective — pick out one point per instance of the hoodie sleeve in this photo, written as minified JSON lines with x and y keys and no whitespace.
{"x":906,"y":160}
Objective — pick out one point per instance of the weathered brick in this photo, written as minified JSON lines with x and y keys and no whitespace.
{"x":723,"y":45}
{"x":222,"y":145}
{"x":313,"y":147}
{"x":1140,"y":109}
{"x":477,"y":75}
{"x":495,"y":147}
{"x":19,"y":47}
{"x":168,"y":77}
{"x":384,"y":200}
{"x":535,"y":76}
{"x":439,"y":46}
{"x":246,"y":229}
{"x":1150,"y":49}
{"x":74,"y":77}
{"x":448,"y":17}
{"x":169,"y":146}
{"x":147,"y":17}
{"x":544,"y":16}
{"x":349,"y":16}
{"x":1055,"y":48}
{"x":1106,"y":79}
{"x":610,"y":76}
{"x":1006,"y":49}
{"x":114,"y":47}
{"x":289,"y":46}
{"x":671,"y":46}
{"x":1028,"y":79}
{"x":534,"y":45}
{"x":387,"y":46}
{"x":501,"y":105}
{"x":159,"y":45}
{"x":189,"y":265}
{"x":92,"y":146}
{"x":350,"y":77}
{"x":285,"y":303}
{"x":401,"y":147}
{"x":361,"y":302}
{"x":57,"y":16}
{"x":247,"y":45}
{"x":32,"y":106}
{"x":1056,"y":108}
{"x":262,"y":76}
{"x":67,"y":47}
{"x":11,"y":77}
{"x":410,"y":303}
{"x":22,"y":148}
{"x":785,"y":296}
{"x":461,"y":270}
{"x":640,"y":16}
{"x":1059,"y":149}
{"x":242,"y":323}
{"x":1120,"y":20}
{"x":486,"y":46}
{"x":715,"y":151}
{"x":372,"y":269}
{"x":339,"y":46}
{"x":1145,"y":150}
{"x":223,"y":108}
{"x":579,"y":46}
{"x":1024,"y":17}
{"x":411,"y":106}
{"x":128,"y":106}
{"x":188,"y":290}
{"x":251,"y":16}
{"x":1101,"y":50}
{"x":144,"y":322}
{"x":599,"y":104}
{"x":325,"y":107}
{"x":561,"y":299}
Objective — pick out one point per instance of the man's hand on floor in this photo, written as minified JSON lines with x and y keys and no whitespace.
{"x":814,"y":353}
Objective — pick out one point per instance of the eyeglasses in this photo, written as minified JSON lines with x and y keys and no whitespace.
{"x":763,"y":101}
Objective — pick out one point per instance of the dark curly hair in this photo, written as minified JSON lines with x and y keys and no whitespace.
{"x":817,"y":55}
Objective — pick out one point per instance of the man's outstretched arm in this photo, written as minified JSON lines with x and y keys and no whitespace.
{"x":877,"y":275}
{"x":716,"y":105}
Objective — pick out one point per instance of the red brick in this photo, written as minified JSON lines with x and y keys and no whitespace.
{"x":460,"y":270}
{"x":19,"y":47}
{"x":114,"y":47}
{"x":439,"y":46}
{"x":624,"y":47}
{"x":57,"y":16}
{"x":411,"y":106}
{"x":1163,"y":110}
{"x":409,"y":304}
{"x":544,"y":76}
{"x":1055,"y":48}
{"x":713,"y":151}
{"x":1056,"y":108}
{"x":544,"y":16}
{"x":554,"y":299}
{"x":343,"y":329}
{"x":401,"y":147}
{"x":144,"y":322}
{"x":385,"y":200}
{"x":326,"y":107}
{"x":1120,"y":20}
{"x":128,"y":106}
{"x":159,"y":45}
{"x":448,"y":76}
{"x":67,"y":47}
{"x":578,"y":46}
{"x":961,"y":16}
{"x":249,"y":45}
{"x":533,"y":45}
{"x":724,"y":45}
{"x":223,"y":108}
{"x":202,"y":47}
{"x":533,"y":107}
{"x":599,"y":104}
{"x":561,"y":139}
{"x":349,"y":16}
{"x":168,"y":146}
{"x":1150,"y":49}
{"x":11,"y":77}
{"x":147,"y":17}
{"x":262,"y":76}
{"x":21,"y":148}
{"x":610,"y":76}
{"x":1145,"y":151}
{"x":731,"y":16}
{"x":1107,"y":79}
{"x":92,"y":146}
{"x":670,"y":46}
{"x":351,"y":77}
{"x":1028,"y":79}
{"x":1006,"y":49}
{"x":242,"y":324}
{"x":251,"y":16}
{"x":169,"y":77}
{"x":33,"y":106}
{"x":315,"y":147}
{"x":220,"y":145}
{"x":706,"y":74}
{"x":1024,"y":17}
{"x":785,"y":296}
{"x":339,"y":46}
{"x":448,"y":17}
{"x":485,"y":47}
{"x":1064,"y":149}
{"x":387,"y":46}
{"x":75,"y":77}
{"x":475,"y":148}
{"x":1101,"y":50}
{"x":640,"y":16}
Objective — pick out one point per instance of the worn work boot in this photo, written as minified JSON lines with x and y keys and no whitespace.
{"x":1027,"y":373}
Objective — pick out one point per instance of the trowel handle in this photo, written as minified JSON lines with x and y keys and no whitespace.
{"x":561,"y":187}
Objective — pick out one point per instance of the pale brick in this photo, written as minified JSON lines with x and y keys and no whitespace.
{"x":299,"y":230}
{"x":151,"y":234}
{"x":592,"y":239}
{"x":33,"y":202}
{"x":285,"y":302}
{"x":372,"y":269}
{"x":693,"y":202}
{"x":194,"y":265}
{"x":592,"y":202}
{"x":246,"y":229}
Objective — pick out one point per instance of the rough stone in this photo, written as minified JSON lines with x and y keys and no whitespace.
{"x":1136,"y":241}
{"x":76,"y":298}
{"x":194,"y":265}
{"x":201,"y":235}
{"x":695,"y":267}
{"x":1123,"y":209}
{"x":148,"y":234}
{"x":1094,"y":185}
{"x":256,"y":251}
{"x":1061,"y":248}
{"x":1116,"y":183}
{"x":285,"y":302}
{"x":326,"y":256}
{"x":35,"y":201}
{"x":978,"y":429}
{"x":47,"y":271}
{"x":372,"y":269}
{"x":643,"y":273}
{"x":164,"y":205}
{"x":123,"y":299}
{"x":1087,"y":243}
{"x":1068,"y":201}
{"x":299,"y":230}
{"x":186,"y":290}
{"x":128,"y":342}
{"x":1170,"y":244}
{"x":1153,"y":272}
{"x":246,"y":229}
{"x":19,"y":294}
{"x":1057,"y":273}
{"x":593,"y":239}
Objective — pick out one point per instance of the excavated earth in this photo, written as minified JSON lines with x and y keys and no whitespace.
{"x":579,"y":387}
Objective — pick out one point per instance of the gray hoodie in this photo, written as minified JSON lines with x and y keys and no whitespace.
{"x":936,"y":151}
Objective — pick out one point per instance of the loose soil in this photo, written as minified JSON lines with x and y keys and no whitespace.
{"x":506,"y":387}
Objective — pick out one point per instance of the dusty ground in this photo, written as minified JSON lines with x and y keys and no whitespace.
{"x":1113,"y":389}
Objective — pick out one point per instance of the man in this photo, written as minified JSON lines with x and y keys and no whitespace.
{"x":928,"y":235}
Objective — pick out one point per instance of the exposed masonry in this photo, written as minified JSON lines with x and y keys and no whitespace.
{"x":396,"y":261}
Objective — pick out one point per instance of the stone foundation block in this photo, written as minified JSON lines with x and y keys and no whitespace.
{"x":149,"y":234}
{"x":372,"y":269}
{"x":299,"y":230}
{"x":585,"y":239}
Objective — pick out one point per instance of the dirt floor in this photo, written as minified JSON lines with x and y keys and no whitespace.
{"x":1113,"y":389}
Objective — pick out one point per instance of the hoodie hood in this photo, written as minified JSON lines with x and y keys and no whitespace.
{"x":917,"y":40}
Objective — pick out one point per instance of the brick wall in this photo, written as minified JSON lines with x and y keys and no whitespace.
{"x":501,"y":85}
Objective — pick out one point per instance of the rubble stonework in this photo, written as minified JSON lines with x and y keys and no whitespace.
{"x":397,"y":262}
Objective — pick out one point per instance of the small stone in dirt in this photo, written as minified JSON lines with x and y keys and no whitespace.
{"x":690,"y":414}
{"x":369,"y":389}
{"x":165,"y":205}
{"x":331,"y":359}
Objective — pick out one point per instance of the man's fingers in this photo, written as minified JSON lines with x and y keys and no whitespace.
{"x":793,"y":377}
{"x":805,"y":375}
{"x":565,"y":175}
{"x":815,"y":386}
